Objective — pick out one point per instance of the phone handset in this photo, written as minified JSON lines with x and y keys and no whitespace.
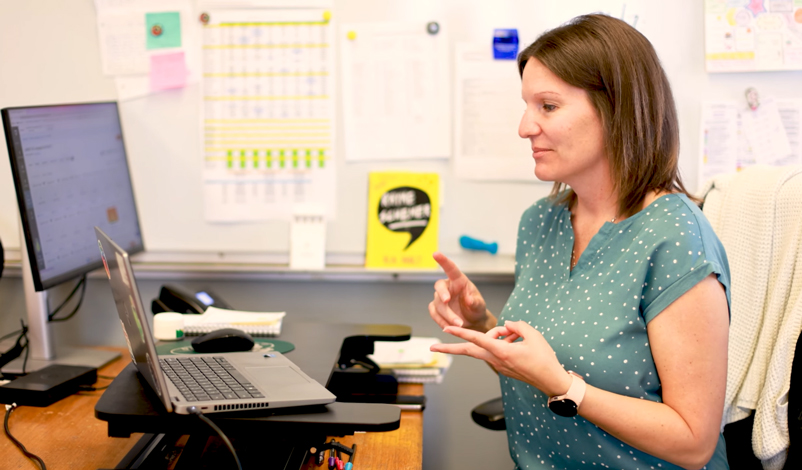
{"x":175,"y":299}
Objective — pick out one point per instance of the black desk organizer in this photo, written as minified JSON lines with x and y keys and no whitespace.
{"x":357,"y":378}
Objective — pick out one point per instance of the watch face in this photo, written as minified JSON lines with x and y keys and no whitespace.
{"x":563,"y":407}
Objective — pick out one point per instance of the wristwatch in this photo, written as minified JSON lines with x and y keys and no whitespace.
{"x":568,"y":405}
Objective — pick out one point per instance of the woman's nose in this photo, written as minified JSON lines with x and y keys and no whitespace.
{"x":528,"y":126}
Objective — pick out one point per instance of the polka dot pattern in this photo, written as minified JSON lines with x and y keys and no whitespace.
{"x":595,"y":318}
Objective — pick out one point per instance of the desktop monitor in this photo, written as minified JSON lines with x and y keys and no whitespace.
{"x":71,"y":174}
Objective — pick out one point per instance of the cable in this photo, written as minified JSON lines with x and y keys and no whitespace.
{"x":90,"y":388}
{"x":15,"y":351}
{"x":10,"y":334}
{"x":69,"y":296}
{"x":84,"y":388}
{"x":82,"y":284}
{"x":219,"y":432}
{"x":9,"y":409}
{"x":27,"y":350}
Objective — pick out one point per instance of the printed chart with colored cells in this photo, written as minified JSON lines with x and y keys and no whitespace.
{"x":267,"y":114}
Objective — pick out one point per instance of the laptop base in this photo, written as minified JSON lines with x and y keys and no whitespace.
{"x":130,"y":406}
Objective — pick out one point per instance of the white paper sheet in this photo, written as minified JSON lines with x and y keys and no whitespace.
{"x":122,"y":42}
{"x":487,"y":111}
{"x":791,"y":115}
{"x":735,"y":137}
{"x":268,"y":121}
{"x":752,"y":36}
{"x":765,"y":133}
{"x":395,"y":91}
{"x":719,"y":139}
{"x":308,"y":238}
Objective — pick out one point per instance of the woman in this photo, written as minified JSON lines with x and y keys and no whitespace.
{"x":612,"y":348}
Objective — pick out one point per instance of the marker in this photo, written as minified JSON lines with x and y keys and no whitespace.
{"x":473,"y":244}
{"x":350,"y":464}
{"x":332,"y":454}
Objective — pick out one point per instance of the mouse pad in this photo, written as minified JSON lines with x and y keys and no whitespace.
{"x":183,"y":347}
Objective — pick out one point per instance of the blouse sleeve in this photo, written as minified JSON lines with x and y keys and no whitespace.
{"x":688,"y":253}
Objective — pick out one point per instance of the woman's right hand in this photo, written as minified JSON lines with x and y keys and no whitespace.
{"x":457,"y":301}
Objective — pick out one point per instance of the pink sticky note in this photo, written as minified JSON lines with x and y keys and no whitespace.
{"x":167,"y":71}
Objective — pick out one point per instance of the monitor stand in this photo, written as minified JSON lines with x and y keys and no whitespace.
{"x":70,"y":356}
{"x":41,"y":351}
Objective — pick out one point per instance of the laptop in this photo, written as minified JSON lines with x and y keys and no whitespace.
{"x":209,"y":382}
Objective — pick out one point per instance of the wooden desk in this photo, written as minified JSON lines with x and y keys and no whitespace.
{"x":401,"y":449}
{"x":66,"y":435}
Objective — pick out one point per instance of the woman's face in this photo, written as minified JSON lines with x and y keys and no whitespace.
{"x":563,"y":127}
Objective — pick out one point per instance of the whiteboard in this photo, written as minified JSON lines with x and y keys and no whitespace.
{"x":51,"y":55}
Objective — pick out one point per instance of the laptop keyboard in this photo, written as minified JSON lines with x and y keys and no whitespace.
{"x":207,"y":378}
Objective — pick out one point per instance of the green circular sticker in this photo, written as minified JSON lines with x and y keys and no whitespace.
{"x":184,"y":347}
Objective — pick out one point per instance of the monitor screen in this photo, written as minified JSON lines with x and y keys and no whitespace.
{"x":71,"y":174}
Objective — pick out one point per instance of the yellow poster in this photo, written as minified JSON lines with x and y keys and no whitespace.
{"x":402,"y":220}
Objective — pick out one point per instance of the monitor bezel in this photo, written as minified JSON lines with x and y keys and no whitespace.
{"x":39,"y":284}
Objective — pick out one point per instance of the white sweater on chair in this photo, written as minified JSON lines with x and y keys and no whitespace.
{"x":757,"y":214}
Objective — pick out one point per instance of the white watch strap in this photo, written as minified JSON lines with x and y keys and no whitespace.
{"x":576,"y":392}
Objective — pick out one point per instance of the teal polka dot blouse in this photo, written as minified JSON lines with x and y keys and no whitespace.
{"x":595,"y":318}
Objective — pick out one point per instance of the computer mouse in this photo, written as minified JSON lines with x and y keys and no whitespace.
{"x":223,"y":340}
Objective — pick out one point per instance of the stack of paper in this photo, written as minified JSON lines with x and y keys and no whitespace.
{"x":411,"y":361}
{"x":253,"y":323}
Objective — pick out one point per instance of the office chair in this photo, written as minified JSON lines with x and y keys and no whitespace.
{"x":795,"y":410}
{"x":490,"y":415}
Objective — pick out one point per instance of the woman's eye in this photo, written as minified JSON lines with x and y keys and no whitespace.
{"x":549,"y":107}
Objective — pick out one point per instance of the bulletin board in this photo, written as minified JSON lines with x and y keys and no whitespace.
{"x":56,"y":59}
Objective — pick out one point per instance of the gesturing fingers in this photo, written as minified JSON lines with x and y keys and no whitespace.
{"x":521,"y":328}
{"x":463,"y":349}
{"x":442,"y":314}
{"x":482,"y":340}
{"x":439,"y":319}
{"x":498,"y":332}
{"x":451,"y":269}
{"x":441,"y":287}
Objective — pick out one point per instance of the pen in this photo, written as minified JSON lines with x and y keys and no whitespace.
{"x":320,"y":456}
{"x":339,"y":461}
{"x":350,"y":464}
{"x":332,"y":455}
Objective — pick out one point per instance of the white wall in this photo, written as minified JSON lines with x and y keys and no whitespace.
{"x":50,"y":54}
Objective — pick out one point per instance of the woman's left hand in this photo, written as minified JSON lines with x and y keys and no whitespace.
{"x":531,"y":360}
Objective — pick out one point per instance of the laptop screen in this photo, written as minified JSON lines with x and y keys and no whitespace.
{"x":137,"y":332}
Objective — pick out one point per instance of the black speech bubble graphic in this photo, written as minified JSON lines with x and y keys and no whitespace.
{"x":405,"y":209}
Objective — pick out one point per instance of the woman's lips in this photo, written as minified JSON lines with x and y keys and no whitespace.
{"x":539,"y":152}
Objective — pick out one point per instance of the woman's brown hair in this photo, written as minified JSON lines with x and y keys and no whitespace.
{"x":625,"y":82}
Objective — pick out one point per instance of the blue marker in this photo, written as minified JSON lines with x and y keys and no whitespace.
{"x":473,"y":244}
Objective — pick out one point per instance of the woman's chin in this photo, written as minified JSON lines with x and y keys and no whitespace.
{"x":542,"y":173}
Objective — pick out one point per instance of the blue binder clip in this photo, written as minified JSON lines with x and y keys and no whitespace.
{"x":505,"y":44}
